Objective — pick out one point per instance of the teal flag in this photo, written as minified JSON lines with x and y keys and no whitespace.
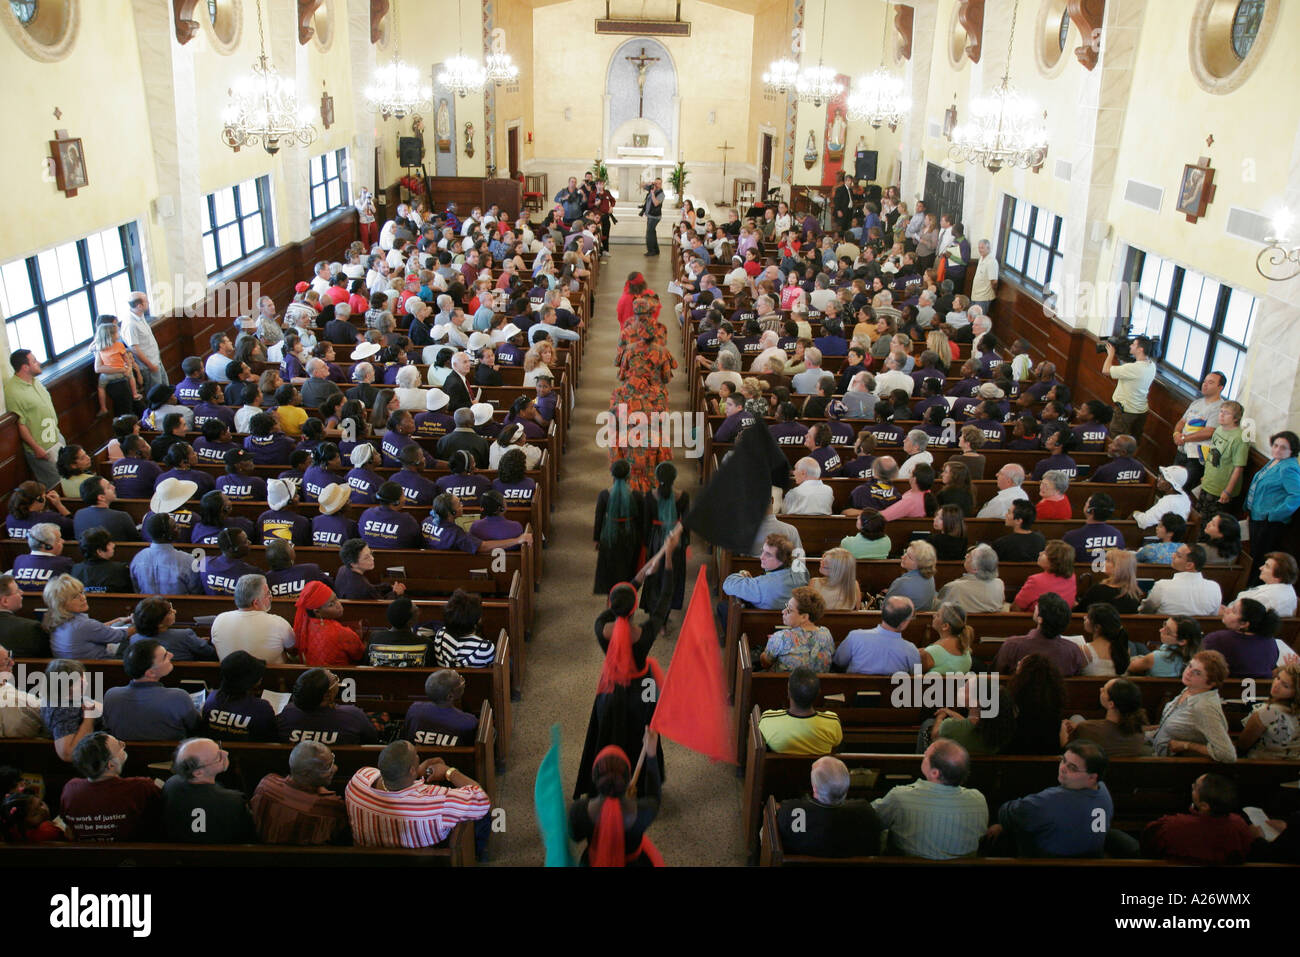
{"x":552,"y":812}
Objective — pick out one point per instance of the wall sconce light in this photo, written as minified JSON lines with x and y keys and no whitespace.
{"x":1282,"y":263}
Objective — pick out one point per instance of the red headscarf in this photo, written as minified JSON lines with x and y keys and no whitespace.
{"x":608,"y":846}
{"x":312,"y":597}
{"x":620,"y":667}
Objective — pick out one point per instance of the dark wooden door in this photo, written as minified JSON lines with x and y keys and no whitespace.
{"x":512,"y":151}
{"x":766,"y":166}
{"x":944,"y":192}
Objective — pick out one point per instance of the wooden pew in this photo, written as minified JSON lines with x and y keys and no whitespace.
{"x":498,"y":613}
{"x":371,"y":689}
{"x":867,"y":701}
{"x":877,"y":575}
{"x":249,"y":763}
{"x":1143,"y":629}
{"x":1142,"y":788}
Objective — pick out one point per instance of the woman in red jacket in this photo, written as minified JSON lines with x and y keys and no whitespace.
{"x":322,"y":641}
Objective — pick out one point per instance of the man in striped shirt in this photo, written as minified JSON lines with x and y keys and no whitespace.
{"x":936,"y":818}
{"x":408,"y":803}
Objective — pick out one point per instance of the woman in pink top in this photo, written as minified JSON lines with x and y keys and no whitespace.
{"x":917,"y":501}
{"x":1057,"y":563}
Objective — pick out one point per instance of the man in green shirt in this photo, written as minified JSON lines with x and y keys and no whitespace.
{"x":38,"y":423}
{"x":1225,"y":462}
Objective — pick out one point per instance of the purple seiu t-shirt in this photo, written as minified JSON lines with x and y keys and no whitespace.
{"x":546,"y":405}
{"x":730,"y":427}
{"x":286,"y":525}
{"x":1121,"y":470}
{"x":289,"y":582}
{"x":433,"y":425}
{"x":331,"y":531}
{"x":439,"y":725}
{"x":873,"y":495}
{"x":1092,"y":436}
{"x":18,"y":527}
{"x":828,"y":457}
{"x":220,"y":574}
{"x":202,"y":534}
{"x":273,"y":449}
{"x":214,"y":452}
{"x":183,"y":522}
{"x":384,"y":527}
{"x":187,"y":392}
{"x":420,"y":491}
{"x":363,"y":483}
{"x":242,"y":488}
{"x":343,"y":724}
{"x":315,"y":479}
{"x":248,"y":718}
{"x":203,"y":480}
{"x":496,"y":528}
{"x":33,"y":572}
{"x":886,"y":433}
{"x":1059,"y":462}
{"x":468,"y":488}
{"x":447,"y":536}
{"x":788,"y":433}
{"x":516,"y":493}
{"x":207,"y":410}
{"x":291,"y":367}
{"x":859,"y":468}
{"x":135,"y":478}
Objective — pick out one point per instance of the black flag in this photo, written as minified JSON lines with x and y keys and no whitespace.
{"x":734,"y":503}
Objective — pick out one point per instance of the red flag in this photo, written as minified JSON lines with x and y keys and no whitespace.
{"x":692,"y":708}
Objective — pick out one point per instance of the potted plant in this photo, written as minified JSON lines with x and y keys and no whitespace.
{"x":677,"y":179}
{"x":600,"y":170}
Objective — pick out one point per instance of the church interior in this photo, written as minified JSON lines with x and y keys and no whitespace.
{"x":1150,"y":188}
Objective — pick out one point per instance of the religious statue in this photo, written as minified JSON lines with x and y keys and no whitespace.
{"x":442,"y":124}
{"x":469,"y":139}
{"x":810,"y":151}
{"x":835,"y":136}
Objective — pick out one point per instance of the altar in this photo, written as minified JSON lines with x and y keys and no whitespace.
{"x":637,"y":164}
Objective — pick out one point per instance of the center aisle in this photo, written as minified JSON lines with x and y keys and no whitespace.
{"x":699,"y":821}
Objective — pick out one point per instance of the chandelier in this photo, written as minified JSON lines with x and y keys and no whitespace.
{"x":396,"y":89}
{"x":881,"y":98}
{"x":1275,"y":261}
{"x":781,"y":74}
{"x":1006,"y":127}
{"x":264,"y":107}
{"x":817,"y":84}
{"x":460,"y":74}
{"x":501,"y":68}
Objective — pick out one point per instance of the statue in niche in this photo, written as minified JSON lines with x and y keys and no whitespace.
{"x":469,"y":139}
{"x":810,"y":151}
{"x":442,"y":124}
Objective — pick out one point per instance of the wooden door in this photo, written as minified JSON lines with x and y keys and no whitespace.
{"x":766,"y":165}
{"x":512,"y":151}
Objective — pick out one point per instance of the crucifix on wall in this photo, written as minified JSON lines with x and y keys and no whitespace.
{"x":725,"y":148}
{"x":641,"y":70}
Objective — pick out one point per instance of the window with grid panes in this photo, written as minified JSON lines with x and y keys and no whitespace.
{"x":1203,"y":325}
{"x":51,"y":300}
{"x":329,"y":182}
{"x":236,"y":223}
{"x":1031,"y":241}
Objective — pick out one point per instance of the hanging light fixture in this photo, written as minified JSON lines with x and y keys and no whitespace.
{"x":264,"y":107}
{"x":396,"y":89}
{"x":501,"y":68}
{"x":1006,"y":127}
{"x":818,"y":84}
{"x":881,"y":98}
{"x":781,"y":74}
{"x":460,"y":74}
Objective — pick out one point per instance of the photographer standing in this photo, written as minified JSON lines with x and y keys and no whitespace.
{"x":1134,"y":382}
{"x":652,"y":211}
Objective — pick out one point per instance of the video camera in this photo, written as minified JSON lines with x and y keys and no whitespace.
{"x":1124,"y":347}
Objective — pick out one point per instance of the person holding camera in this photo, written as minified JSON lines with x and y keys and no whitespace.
{"x":1133,"y":382}
{"x":653,"y":210}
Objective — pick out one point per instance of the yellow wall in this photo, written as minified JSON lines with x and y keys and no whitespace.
{"x":772,"y":24}
{"x":433,"y":31}
{"x":570,"y":74}
{"x":852,"y":46}
{"x":109,"y":118}
{"x":1254,"y":129}
{"x":516,"y":18}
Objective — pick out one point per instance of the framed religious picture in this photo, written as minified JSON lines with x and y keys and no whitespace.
{"x":1196,"y":189}
{"x":326,"y":110}
{"x":640,"y":140}
{"x":949,"y":121}
{"x":69,"y":163}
